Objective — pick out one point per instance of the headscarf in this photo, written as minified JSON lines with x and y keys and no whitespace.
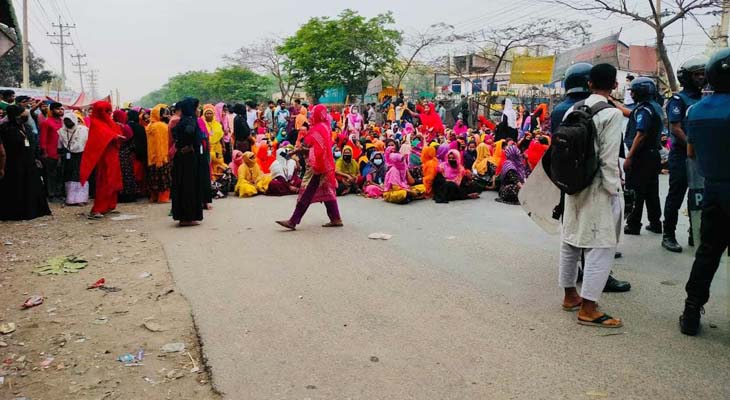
{"x":431,"y":120}
{"x":221,"y":118}
{"x":509,"y":112}
{"x":430,"y":166}
{"x":460,"y":128}
{"x":514,"y":161}
{"x":498,"y":155}
{"x":236,"y":162}
{"x":535,"y":152}
{"x":453,"y":173}
{"x":283,"y":167}
{"x":249,"y":171}
{"x":119,"y":116}
{"x":215,"y":128}
{"x":74,"y":139}
{"x":481,"y":165}
{"x":102,"y":131}
{"x":378,"y":171}
{"x":397,"y":173}
{"x":350,"y":168}
{"x":301,"y":119}
{"x":139,"y":135}
{"x":443,"y":151}
{"x":264,"y":159}
{"x":354,"y":119}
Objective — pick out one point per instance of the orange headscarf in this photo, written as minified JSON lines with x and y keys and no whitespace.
{"x":430,"y":166}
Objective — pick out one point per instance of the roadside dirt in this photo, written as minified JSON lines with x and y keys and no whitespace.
{"x":68,"y":347}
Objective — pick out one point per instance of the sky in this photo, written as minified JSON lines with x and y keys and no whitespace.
{"x":136,"y":45}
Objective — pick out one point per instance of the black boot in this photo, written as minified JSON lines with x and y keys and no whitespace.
{"x":614,"y":285}
{"x":689,"y":321}
{"x":632,"y":230}
{"x":669,"y":242}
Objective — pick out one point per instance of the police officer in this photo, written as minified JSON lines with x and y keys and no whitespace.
{"x":576,"y":87}
{"x":708,"y":141}
{"x":692,"y":77}
{"x":643,"y":163}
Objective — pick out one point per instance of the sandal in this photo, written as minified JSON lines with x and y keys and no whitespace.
{"x":572,"y":308}
{"x":333,"y":225}
{"x":95,"y":216}
{"x":600,"y":322}
{"x":287,"y":225}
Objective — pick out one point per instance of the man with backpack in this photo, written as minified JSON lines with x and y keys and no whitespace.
{"x":643,"y":163}
{"x":576,"y":87}
{"x":692,"y":77}
{"x":584,"y":163}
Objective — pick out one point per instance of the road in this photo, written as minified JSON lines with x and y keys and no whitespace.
{"x":462,"y":303}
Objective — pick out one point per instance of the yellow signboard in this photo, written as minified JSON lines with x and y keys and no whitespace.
{"x":532,"y":70}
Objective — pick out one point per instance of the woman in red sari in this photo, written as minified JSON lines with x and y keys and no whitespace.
{"x":102,"y":153}
{"x":319,"y":184}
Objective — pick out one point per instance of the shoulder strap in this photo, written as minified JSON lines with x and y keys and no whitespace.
{"x":600,"y":106}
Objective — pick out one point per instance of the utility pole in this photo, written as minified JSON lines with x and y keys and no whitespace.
{"x":93,"y":82}
{"x":26,"y":52}
{"x":81,"y":71}
{"x":63,"y":42}
{"x":721,"y":40}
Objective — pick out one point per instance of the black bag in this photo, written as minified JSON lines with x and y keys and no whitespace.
{"x":573,"y":162}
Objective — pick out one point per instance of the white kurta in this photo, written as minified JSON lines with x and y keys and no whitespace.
{"x":588,"y":218}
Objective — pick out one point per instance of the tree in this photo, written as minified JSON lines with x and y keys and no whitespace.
{"x":659,"y":19}
{"x":415,"y":43}
{"x":347,"y":51}
{"x":231,"y":84}
{"x":263,"y":57}
{"x":11,"y":69}
{"x":497,"y":44}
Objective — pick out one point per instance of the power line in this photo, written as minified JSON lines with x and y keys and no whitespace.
{"x":80,"y":65}
{"x":62,"y":42}
{"x":93,"y":81}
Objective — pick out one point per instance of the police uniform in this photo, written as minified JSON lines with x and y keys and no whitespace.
{"x":708,"y":131}
{"x":643,"y":177}
{"x":676,"y":112}
{"x":556,"y":117}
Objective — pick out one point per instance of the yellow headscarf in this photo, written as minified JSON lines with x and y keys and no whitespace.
{"x":249,"y":170}
{"x":158,"y":145}
{"x":483,"y":157}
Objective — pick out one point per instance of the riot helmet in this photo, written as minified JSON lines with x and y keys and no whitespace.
{"x":718,"y":71}
{"x":643,"y":89}
{"x":577,"y":77}
{"x":688,"y":71}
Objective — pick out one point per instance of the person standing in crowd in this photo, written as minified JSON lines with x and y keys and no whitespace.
{"x":158,"y":155}
{"x":441,"y":110}
{"x":708,"y":142}
{"x":269,"y":116}
{"x":102,"y":154}
{"x":221,"y":115}
{"x":7,"y":97}
{"x":241,"y":130}
{"x":692,"y":77}
{"x":251,"y":115}
{"x":507,"y":128}
{"x":465,"y":113}
{"x":281,"y":116}
{"x":592,"y":217}
{"x":20,"y":183}
{"x":354,"y":123}
{"x":186,"y":193}
{"x":72,"y":140}
{"x":319,"y":184}
{"x":139,"y":136}
{"x":215,"y":129}
{"x":126,"y":158}
{"x":643,"y":163}
{"x":49,"y":151}
{"x":31,"y":127}
{"x":576,"y":89}
{"x":628,"y":100}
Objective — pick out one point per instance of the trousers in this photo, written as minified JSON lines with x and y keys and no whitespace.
{"x":646,"y":191}
{"x":598,"y":264}
{"x":333,"y":210}
{"x":677,"y":191}
{"x":715,"y":234}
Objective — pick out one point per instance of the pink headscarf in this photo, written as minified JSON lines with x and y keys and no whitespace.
{"x":222,"y":118}
{"x":397,"y":172}
{"x":236,"y":162}
{"x":451,"y":173}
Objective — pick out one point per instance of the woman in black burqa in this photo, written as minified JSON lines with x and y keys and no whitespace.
{"x":187,"y":196}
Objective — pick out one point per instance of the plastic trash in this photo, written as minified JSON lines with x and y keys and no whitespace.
{"x":47,"y":362}
{"x":125,"y":217}
{"x":130,"y":358}
{"x":173,"y":348}
{"x":32,"y":302}
{"x":379,"y":236}
{"x":97,"y":284}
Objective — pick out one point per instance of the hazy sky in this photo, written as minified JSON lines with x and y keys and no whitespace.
{"x":137,"y":44}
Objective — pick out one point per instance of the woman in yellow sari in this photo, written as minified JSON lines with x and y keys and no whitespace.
{"x":217,"y":165}
{"x":251,"y":181}
{"x":391,"y":113}
{"x":159,"y":169}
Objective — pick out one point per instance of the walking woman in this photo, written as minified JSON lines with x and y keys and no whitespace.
{"x":72,"y":140}
{"x":22,"y":196}
{"x":186,"y":194}
{"x":102,"y":153}
{"x":319,"y":184}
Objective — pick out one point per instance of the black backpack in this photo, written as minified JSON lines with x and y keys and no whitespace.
{"x":572,"y":162}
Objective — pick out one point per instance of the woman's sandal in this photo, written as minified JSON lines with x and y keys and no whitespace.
{"x":95,"y":216}
{"x":572,"y":308}
{"x":287,"y":225}
{"x":333,"y":225}
{"x":600,"y":322}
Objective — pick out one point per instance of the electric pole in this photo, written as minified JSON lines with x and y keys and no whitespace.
{"x":26,"y":52}
{"x":63,"y":41}
{"x":81,"y":71}
{"x":93,"y":82}
{"x":722,"y":35}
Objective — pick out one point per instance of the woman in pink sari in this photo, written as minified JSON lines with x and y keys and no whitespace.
{"x":319,"y":184}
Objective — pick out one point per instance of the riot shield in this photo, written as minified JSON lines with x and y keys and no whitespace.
{"x":696,"y":183}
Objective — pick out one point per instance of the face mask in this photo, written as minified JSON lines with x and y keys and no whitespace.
{"x":338,"y":154}
{"x":378,"y":161}
{"x":453,"y":163}
{"x":347,"y":158}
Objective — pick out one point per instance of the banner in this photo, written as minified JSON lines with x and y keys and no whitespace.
{"x":375,"y":86}
{"x":599,"y":52}
{"x":532,"y":70}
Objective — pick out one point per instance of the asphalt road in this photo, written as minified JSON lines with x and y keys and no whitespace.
{"x":462,"y":303}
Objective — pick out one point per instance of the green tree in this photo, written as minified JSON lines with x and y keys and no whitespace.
{"x":11,"y":69}
{"x":231,"y":84}
{"x":348,"y":51}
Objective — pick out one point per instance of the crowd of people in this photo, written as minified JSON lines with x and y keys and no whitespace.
{"x":397,"y":151}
